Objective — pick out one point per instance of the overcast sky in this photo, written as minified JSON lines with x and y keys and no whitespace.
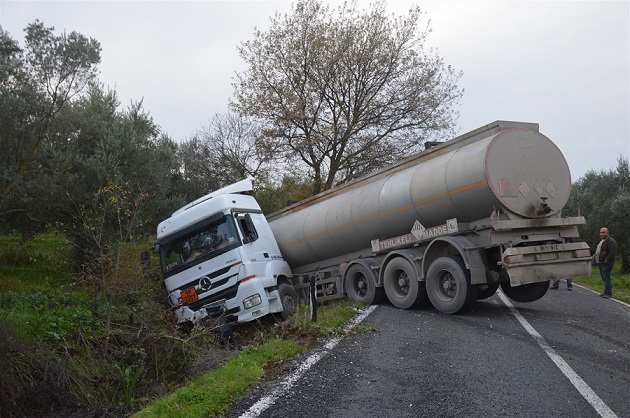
{"x":562,"y":64}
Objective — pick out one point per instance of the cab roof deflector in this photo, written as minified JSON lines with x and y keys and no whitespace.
{"x":239,"y":187}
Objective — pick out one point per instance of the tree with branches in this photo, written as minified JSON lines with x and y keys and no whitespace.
{"x":35,"y":85}
{"x":230,"y":147}
{"x":343,"y":90}
{"x":603,"y":198}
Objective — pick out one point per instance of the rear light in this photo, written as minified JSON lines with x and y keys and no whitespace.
{"x":514,"y":259}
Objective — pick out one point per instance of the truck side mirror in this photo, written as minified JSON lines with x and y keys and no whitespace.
{"x":249,"y":230}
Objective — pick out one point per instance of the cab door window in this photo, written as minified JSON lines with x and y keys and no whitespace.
{"x":246,"y":225}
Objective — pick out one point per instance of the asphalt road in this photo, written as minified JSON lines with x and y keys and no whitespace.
{"x":566,"y":355}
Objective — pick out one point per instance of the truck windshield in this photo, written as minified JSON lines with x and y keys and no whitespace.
{"x":205,"y":242}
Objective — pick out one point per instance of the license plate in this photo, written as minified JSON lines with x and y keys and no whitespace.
{"x":215,"y":308}
{"x":190,"y":295}
{"x":547,"y":247}
{"x":546,"y":256}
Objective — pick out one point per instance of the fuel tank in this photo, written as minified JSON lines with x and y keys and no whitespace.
{"x":504,"y":165}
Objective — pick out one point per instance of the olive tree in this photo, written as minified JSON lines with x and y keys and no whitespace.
{"x":603,"y":198}
{"x":343,"y":90}
{"x":37,"y":83}
{"x":196,"y":174}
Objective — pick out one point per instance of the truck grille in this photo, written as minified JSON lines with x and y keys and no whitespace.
{"x":227,"y":294}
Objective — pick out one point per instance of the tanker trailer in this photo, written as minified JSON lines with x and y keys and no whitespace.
{"x":447,"y":226}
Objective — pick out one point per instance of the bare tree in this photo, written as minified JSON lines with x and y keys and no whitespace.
{"x":230,"y":147}
{"x":345,"y":90}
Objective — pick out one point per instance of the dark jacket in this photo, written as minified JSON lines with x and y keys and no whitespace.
{"x":608,"y":251}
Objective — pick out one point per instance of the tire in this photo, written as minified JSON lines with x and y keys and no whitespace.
{"x":289,"y":299}
{"x":486,"y":293}
{"x":401,"y":284}
{"x":360,"y":287}
{"x":448,"y":285}
{"x":527,"y":292}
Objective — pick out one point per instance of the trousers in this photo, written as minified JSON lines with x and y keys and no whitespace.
{"x":605,"y":270}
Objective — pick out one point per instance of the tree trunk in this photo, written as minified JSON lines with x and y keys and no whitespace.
{"x":318,"y":182}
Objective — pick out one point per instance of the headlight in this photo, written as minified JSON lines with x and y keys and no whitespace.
{"x":175,"y":299}
{"x":251,"y":301}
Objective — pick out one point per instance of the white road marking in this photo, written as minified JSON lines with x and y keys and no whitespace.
{"x":602,"y":409}
{"x":265,"y":402}
{"x":597,"y":293}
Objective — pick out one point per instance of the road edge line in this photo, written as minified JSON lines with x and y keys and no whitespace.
{"x":266,"y":401}
{"x":597,"y":293}
{"x":585,"y":390}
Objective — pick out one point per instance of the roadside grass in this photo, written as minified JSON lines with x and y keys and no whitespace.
{"x":45,"y":303}
{"x":66,"y":340}
{"x":73,"y":345}
{"x":620,"y":282}
{"x":45,"y":318}
{"x":212,"y":393}
{"x":37,"y":296}
{"x":331,"y":317}
{"x":33,"y":265}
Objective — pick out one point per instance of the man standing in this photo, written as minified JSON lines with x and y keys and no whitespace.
{"x":556,"y":284}
{"x":605,"y":257}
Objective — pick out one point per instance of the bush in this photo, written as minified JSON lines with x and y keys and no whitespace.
{"x":85,"y":345}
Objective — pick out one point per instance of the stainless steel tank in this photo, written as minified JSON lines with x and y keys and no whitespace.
{"x":507,"y":165}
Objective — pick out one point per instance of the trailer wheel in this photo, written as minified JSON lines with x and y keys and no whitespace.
{"x":289,"y":299}
{"x":360,"y":287}
{"x":527,"y":292}
{"x":489,"y":291}
{"x":401,"y":284}
{"x":448,"y":285}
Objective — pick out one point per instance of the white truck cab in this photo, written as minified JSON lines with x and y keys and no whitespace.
{"x":220,"y":259}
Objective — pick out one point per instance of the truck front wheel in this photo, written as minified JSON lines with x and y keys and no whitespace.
{"x":360,"y":287}
{"x":401,"y":284}
{"x":527,"y":292}
{"x":448,"y":285}
{"x":289,"y":299}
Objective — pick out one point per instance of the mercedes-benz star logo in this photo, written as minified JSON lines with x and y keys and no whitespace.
{"x":205,"y":283}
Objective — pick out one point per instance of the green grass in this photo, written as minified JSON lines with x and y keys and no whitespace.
{"x":620,"y":282}
{"x":211,"y":394}
{"x":34,"y":265}
{"x":118,"y":338}
{"x":45,"y":317}
{"x":37,"y":299}
{"x":330,"y":316}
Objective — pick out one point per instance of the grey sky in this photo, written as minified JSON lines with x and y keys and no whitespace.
{"x":562,"y":64}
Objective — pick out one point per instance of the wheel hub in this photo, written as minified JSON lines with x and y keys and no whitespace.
{"x":449,"y":285}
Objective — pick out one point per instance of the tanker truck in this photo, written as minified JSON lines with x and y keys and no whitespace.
{"x":444,"y":227}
